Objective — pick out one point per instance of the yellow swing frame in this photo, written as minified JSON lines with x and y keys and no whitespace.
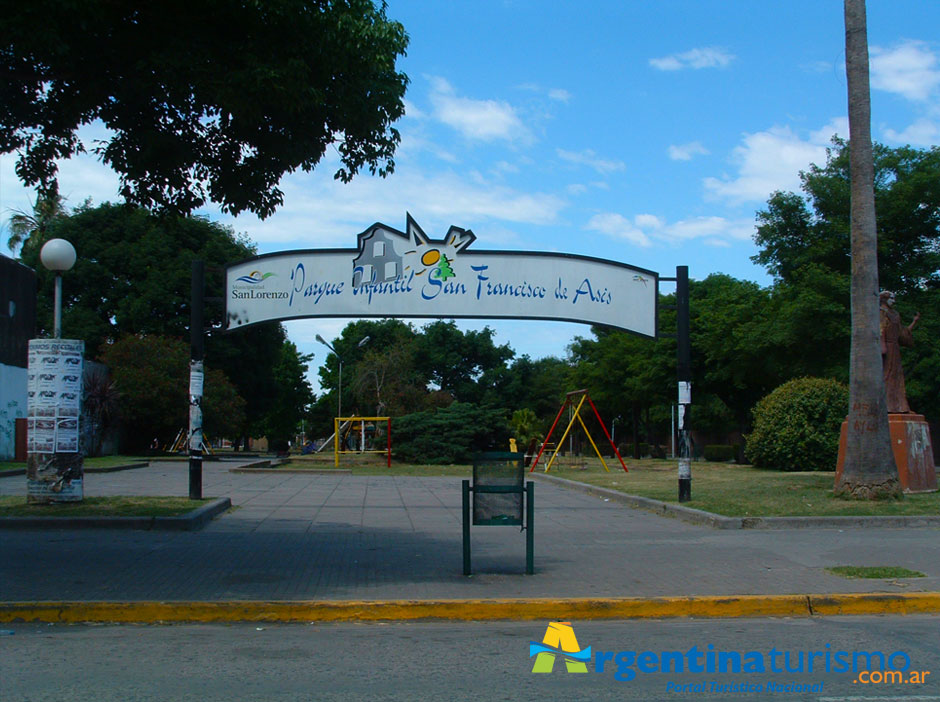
{"x":577,"y":416}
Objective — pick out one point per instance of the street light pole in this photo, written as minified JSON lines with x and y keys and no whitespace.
{"x":57,"y":255}
{"x":339,"y":399}
{"x":339,"y":396}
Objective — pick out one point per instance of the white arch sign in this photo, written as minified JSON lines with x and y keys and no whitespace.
{"x":406,"y":274}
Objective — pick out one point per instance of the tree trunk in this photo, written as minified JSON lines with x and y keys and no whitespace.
{"x":869,"y":470}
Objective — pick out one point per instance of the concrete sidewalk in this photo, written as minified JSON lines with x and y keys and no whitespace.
{"x":331,"y":538}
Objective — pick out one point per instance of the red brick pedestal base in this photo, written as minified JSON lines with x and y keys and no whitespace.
{"x":913,"y":452}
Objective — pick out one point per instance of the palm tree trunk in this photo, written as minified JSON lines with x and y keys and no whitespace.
{"x":869,"y":470}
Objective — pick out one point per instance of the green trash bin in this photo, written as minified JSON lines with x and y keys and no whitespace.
{"x":501,"y":497}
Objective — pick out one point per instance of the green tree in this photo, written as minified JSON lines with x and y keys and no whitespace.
{"x":736,"y":349}
{"x":290,"y":393}
{"x":387,"y":381}
{"x":627,"y":376}
{"x":133,"y":271}
{"x":151,"y":372}
{"x":133,"y":276}
{"x":796,"y":231}
{"x":524,"y":424}
{"x":204,"y":101}
{"x":538,"y":385}
{"x":384,"y":336}
{"x":805,"y":244}
{"x":463,"y":364}
{"x":48,"y":208}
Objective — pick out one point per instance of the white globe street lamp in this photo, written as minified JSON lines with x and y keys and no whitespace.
{"x":57,"y":255}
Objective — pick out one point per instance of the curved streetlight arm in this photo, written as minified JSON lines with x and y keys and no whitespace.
{"x":339,"y":390}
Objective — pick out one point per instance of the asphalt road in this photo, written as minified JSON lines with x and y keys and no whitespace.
{"x":447,"y":661}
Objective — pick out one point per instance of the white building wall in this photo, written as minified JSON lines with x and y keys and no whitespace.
{"x":12,"y":405}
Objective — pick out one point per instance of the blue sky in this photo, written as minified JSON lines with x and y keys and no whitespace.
{"x":644,"y":132}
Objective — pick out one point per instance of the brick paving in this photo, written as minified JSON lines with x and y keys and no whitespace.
{"x":313,"y":536}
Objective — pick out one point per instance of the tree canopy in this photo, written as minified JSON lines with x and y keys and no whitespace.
{"x":796,"y":231}
{"x":203,"y":101}
{"x":151,"y":373}
{"x":804,"y":242}
{"x":133,"y":271}
{"x":133,"y":277}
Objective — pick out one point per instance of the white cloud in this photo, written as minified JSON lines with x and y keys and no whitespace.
{"x":648,"y":221}
{"x":923,"y":132}
{"x":557,"y":94}
{"x":686,"y":152}
{"x":412,"y":110}
{"x":772,"y":160}
{"x":319,"y":211}
{"x":478,"y":120}
{"x":80,"y":177}
{"x":706,"y":57}
{"x":645,"y":229}
{"x":618,"y":227}
{"x":711,"y":229}
{"x":505,"y":167}
{"x":589,"y":158}
{"x":412,"y":144}
{"x":818,"y":67}
{"x":910,"y":69}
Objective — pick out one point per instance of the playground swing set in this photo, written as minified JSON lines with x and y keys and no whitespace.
{"x":576,"y":416}
{"x":345,"y":428}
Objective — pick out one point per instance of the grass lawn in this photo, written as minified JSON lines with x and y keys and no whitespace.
{"x":875,"y":572}
{"x":15,"y":506}
{"x":741,"y":491}
{"x":97,"y":462}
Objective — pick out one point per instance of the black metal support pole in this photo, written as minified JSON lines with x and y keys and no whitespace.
{"x":196,"y":379}
{"x":466,"y":527}
{"x":684,"y":374}
{"x":530,"y":528}
{"x":636,"y":432}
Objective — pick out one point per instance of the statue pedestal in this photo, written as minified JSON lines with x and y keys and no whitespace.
{"x":913,"y":452}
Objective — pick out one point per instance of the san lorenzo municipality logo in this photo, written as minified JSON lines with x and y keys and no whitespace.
{"x":255,"y":277}
{"x":559,"y":640}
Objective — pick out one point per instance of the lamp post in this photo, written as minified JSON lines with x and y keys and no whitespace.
{"x":339,"y":398}
{"x":57,"y":255}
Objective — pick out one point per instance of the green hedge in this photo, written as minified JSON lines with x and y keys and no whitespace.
{"x":796,"y":427}
{"x":720,"y":452}
{"x":449,"y":434}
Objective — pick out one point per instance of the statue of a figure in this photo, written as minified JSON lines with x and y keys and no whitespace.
{"x":894,"y":335}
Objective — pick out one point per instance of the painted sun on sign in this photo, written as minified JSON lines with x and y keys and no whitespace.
{"x":386,"y":255}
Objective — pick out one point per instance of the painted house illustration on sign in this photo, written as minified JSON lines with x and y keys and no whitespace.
{"x":386,"y":254}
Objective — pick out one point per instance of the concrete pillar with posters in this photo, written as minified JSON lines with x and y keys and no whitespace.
{"x":54,"y":467}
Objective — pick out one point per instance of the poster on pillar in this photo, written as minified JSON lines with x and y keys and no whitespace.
{"x":408,"y":274}
{"x":54,"y":468}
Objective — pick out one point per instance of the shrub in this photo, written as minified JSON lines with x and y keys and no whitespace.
{"x":449,"y":434}
{"x":626,"y":449}
{"x":719,"y":452}
{"x":796,"y":427}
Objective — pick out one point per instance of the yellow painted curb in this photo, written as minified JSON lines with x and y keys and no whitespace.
{"x":471,"y":610}
{"x":876,"y":603}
